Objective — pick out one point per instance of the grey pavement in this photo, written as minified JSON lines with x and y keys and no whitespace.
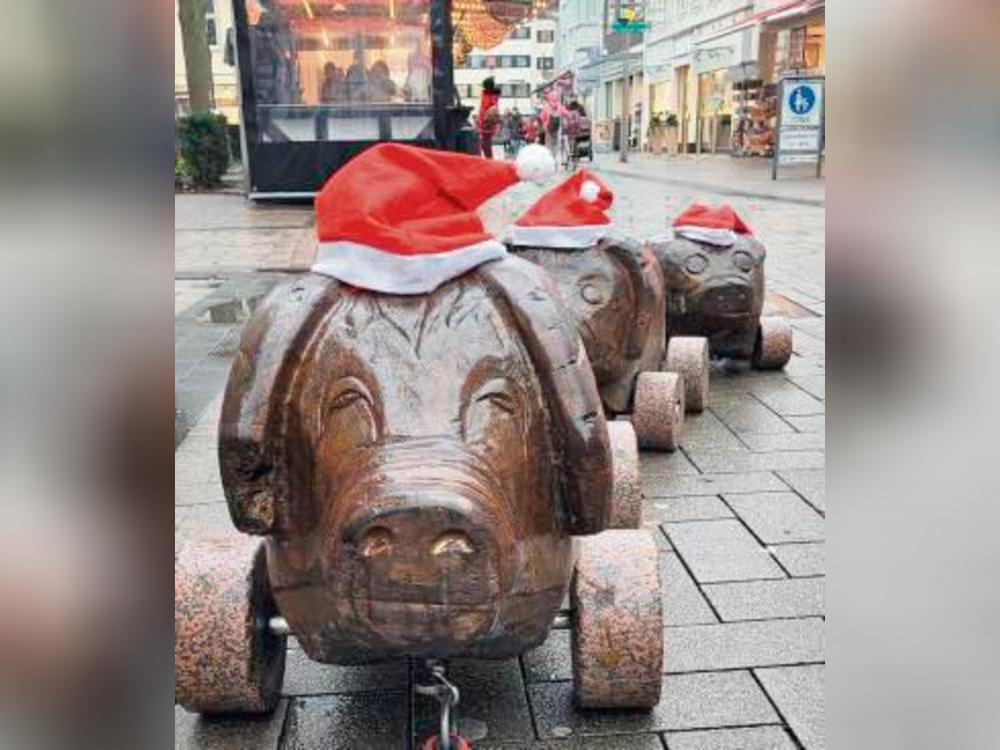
{"x":739,"y":510}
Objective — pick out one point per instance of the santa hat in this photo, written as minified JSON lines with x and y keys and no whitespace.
{"x":716,"y":225}
{"x":401,"y":219}
{"x":570,"y":215}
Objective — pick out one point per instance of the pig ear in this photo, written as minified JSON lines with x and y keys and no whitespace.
{"x":581,"y":433}
{"x":648,"y":290}
{"x":253,"y":473}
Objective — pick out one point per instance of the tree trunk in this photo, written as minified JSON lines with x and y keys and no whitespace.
{"x":197,"y":58}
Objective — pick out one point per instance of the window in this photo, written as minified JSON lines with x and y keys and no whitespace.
{"x":545,"y":35}
{"x":545,"y":63}
{"x":341,"y":76}
{"x":522,"y":32}
{"x":210,"y":35}
{"x":515,"y":90}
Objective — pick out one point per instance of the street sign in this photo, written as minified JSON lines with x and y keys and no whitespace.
{"x":800,"y":140}
{"x":802,"y":103}
{"x":800,"y":136}
{"x":630,"y":17}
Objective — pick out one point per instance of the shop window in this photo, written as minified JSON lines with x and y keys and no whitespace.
{"x":339,"y":71}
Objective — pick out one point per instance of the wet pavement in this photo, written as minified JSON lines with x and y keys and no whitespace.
{"x":739,"y":511}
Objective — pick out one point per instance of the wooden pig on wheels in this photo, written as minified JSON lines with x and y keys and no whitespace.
{"x":614,"y":290}
{"x":714,"y":269}
{"x":418,"y":438}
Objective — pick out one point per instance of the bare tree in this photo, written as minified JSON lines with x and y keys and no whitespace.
{"x":197,"y":58}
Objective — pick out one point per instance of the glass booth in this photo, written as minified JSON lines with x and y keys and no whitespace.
{"x":321,"y":80}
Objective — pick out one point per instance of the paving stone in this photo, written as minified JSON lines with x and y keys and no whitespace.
{"x":798,"y":694}
{"x":665,"y":464}
{"x":550,"y":662}
{"x":810,"y":483}
{"x":683,"y":603}
{"x":743,"y":413}
{"x":734,"y":645}
{"x":790,"y":400}
{"x":694,"y":508}
{"x":808,"y":424}
{"x":619,"y":742}
{"x":711,"y":484}
{"x":303,"y":676}
{"x":785,"y":441}
{"x":758,"y":600}
{"x":493,"y":695}
{"x":744,"y":461}
{"x":691,"y":701}
{"x":813,"y":384}
{"x":721,"y":551}
{"x":369,"y":720}
{"x":195,"y":732}
{"x":706,"y":430}
{"x":194,"y":521}
{"x":199,"y":494}
{"x":746,"y":738}
{"x":801,"y":559}
{"x":777,"y":517}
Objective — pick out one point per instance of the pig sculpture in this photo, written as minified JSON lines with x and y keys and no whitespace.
{"x":715,"y":288}
{"x":614,"y":294}
{"x":613,"y":289}
{"x":418,"y":467}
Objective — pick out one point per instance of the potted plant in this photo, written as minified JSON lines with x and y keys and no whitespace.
{"x":670,"y":132}
{"x":656,"y":132}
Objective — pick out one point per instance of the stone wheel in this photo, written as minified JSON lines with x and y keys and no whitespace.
{"x":626,"y":499}
{"x":617,"y":615}
{"x":688,"y":355}
{"x":658,"y":412}
{"x":226,"y":660}
{"x":773,"y":347}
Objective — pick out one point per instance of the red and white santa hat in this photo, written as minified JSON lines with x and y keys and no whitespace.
{"x":570,"y":215}
{"x":401,"y":220}
{"x":716,"y":225}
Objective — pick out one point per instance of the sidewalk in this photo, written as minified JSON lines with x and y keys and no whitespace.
{"x":739,"y":511}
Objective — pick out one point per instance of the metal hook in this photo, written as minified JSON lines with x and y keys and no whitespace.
{"x":447,"y":695}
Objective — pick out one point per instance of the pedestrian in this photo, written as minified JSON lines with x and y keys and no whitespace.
{"x":489,"y":116}
{"x":530,"y":130}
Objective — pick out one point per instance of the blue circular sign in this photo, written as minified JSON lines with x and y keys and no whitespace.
{"x":802,"y":99}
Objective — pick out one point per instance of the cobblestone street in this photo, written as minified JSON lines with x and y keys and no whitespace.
{"x":740,"y":508}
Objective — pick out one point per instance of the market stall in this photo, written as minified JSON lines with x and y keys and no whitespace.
{"x":321,"y":80}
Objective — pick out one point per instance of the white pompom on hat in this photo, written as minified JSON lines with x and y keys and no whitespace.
{"x":402,"y":220}
{"x":570,"y":215}
{"x":715,"y":225}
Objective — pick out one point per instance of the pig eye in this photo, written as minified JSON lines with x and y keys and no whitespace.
{"x":491,"y":405}
{"x":743,"y":261}
{"x":695,"y":263}
{"x":594,"y":290}
{"x":349,"y":412}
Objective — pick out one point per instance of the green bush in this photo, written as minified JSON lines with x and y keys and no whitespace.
{"x":204,"y":148}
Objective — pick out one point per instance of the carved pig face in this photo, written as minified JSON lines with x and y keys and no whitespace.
{"x":402,"y":454}
{"x":614,"y":293}
{"x":714,"y":291}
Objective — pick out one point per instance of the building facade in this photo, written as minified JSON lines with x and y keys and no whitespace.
{"x":521,"y":63}
{"x":711,"y":64}
{"x":225,"y":82}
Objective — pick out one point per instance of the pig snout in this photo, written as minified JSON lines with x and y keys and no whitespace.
{"x":726,"y":297}
{"x":426,"y":546}
{"x":428,"y":527}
